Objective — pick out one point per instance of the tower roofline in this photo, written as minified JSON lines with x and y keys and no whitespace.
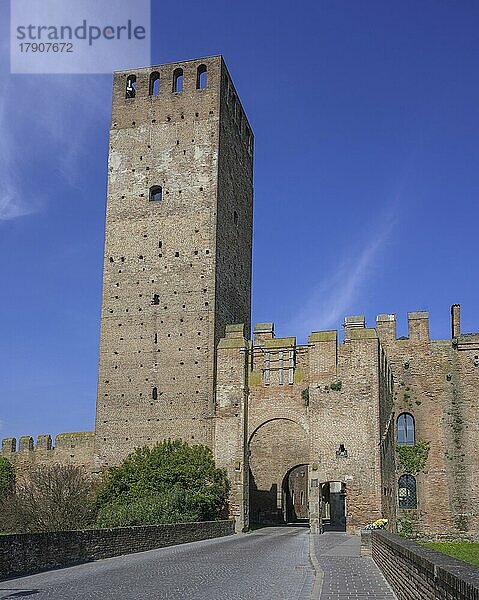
{"x":167,"y":64}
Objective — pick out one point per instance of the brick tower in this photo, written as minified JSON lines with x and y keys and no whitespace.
{"x":177,"y":259}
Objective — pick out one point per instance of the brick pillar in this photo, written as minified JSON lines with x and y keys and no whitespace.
{"x":230,"y":444}
{"x":456,"y":320}
{"x":350,"y":323}
{"x":418,"y":326}
{"x":386,"y":328}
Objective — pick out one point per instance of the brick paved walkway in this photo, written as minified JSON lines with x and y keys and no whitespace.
{"x":268,"y":564}
{"x":344,"y":573}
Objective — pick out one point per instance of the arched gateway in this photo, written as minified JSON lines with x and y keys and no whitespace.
{"x":295,"y":495}
{"x":278,"y":478}
{"x":300,"y":438}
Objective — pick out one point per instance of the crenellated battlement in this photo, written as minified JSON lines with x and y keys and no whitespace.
{"x":355,"y":329}
{"x":75,"y":448}
{"x":418,"y":328}
{"x":281,"y":361}
{"x":63,"y":441}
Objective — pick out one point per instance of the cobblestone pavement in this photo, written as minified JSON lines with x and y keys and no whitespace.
{"x":268,"y":564}
{"x":345,"y":574}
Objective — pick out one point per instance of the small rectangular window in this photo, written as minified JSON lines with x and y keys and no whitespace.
{"x":291,"y":367}
{"x":407,"y":493}
{"x":267,"y":368}
{"x":156,"y":193}
{"x":280,"y":368}
{"x":178,"y":80}
{"x":201,"y":77}
{"x":130,"y":91}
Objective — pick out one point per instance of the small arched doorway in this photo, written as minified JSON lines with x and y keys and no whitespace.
{"x":333,"y":505}
{"x":295,"y":495}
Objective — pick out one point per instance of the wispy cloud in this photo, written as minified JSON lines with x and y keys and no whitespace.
{"x":337,"y":293}
{"x":13,"y":202}
{"x":43,"y":118}
{"x":11,"y":205}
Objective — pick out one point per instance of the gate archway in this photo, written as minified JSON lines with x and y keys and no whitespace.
{"x":333,"y":505}
{"x":295,"y":495}
{"x":276,"y":447}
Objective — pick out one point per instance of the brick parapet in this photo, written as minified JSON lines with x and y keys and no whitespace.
{"x":417,"y":572}
{"x":23,"y":554}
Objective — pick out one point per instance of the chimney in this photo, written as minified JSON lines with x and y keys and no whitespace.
{"x":456,"y":320}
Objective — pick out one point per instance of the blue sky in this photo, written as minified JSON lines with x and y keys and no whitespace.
{"x":366,"y":181}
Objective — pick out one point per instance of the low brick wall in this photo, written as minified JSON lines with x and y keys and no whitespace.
{"x":419,"y":573}
{"x":28,"y":553}
{"x":366,"y":542}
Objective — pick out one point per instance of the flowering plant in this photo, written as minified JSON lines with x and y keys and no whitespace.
{"x":379,"y":524}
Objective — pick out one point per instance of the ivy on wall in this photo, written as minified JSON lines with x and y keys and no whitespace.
{"x":406,"y":528}
{"x":413,"y":458}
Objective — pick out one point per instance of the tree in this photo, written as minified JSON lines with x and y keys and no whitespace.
{"x":7,"y":478}
{"x":169,"y":483}
{"x":49,"y":498}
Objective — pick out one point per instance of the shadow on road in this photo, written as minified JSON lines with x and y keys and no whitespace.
{"x":17,"y":593}
{"x":256,"y":526}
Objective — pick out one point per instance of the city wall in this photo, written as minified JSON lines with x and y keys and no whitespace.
{"x":75,"y":448}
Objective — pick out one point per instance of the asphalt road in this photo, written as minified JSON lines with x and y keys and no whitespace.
{"x":268,"y":564}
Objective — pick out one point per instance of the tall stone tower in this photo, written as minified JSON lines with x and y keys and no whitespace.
{"x":177,"y":264}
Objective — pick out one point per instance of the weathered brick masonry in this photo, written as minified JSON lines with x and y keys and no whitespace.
{"x":337,"y":408}
{"x":419,"y":573}
{"x":177,"y":268}
{"x":437,"y":383}
{"x":74,"y":448}
{"x":33,"y":552}
{"x":300,"y":428}
{"x":317,"y":405}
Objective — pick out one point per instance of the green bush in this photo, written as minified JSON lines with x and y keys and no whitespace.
{"x":171,"y":506}
{"x":169,"y":483}
{"x":405,"y":528}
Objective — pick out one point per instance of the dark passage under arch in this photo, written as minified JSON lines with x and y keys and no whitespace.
{"x":295,"y":495}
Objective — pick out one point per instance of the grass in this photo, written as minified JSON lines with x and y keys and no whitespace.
{"x":466,"y":551}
